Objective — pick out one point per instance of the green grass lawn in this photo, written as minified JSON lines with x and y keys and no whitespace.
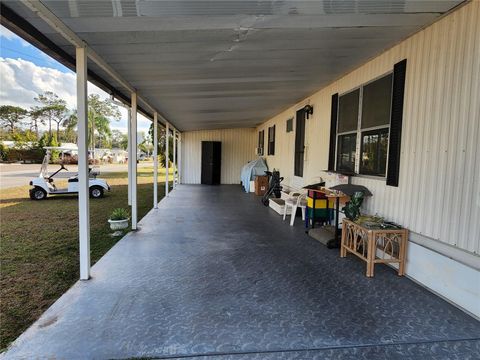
{"x":39,"y":245}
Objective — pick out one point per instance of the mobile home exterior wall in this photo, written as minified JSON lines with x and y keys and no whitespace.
{"x":238,"y":148}
{"x":438,"y":197}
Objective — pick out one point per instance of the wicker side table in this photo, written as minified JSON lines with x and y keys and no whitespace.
{"x":364,"y":243}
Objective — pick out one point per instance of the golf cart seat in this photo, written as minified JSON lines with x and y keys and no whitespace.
{"x":91,"y":173}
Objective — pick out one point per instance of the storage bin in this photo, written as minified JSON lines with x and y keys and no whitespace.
{"x":261,"y":185}
{"x":322,"y":211}
{"x":278,"y":205}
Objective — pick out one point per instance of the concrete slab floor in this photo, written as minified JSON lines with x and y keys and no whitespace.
{"x":213,"y":274}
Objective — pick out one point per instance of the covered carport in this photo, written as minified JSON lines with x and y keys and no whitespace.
{"x":197,"y":65}
{"x":207,"y":274}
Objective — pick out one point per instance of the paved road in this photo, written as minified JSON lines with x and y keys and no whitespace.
{"x":12,"y":175}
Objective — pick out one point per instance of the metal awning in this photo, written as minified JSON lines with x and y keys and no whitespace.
{"x":225,"y":64}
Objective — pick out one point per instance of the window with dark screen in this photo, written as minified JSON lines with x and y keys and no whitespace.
{"x":346,"y":150}
{"x":261,"y":142}
{"x":348,"y":112}
{"x":375,"y":123}
{"x":364,"y":120}
{"x":271,"y":140}
{"x":377,"y":102}
{"x":374,"y":150}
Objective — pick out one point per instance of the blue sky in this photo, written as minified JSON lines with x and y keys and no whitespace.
{"x":15,"y":47}
{"x":25,"y":71}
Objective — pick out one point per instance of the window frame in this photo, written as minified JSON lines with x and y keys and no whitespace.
{"x":344,"y":170}
{"x":261,"y":141}
{"x":360,"y":98}
{"x":271,"y":141}
{"x":359,"y":130}
{"x":377,"y":130}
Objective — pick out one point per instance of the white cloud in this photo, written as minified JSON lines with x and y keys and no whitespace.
{"x":21,"y":81}
{"x":7,"y":34}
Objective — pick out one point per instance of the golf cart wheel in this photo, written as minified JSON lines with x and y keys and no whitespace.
{"x":96,"y":192}
{"x":38,"y":193}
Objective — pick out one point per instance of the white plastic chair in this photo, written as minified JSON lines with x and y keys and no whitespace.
{"x":295,"y":201}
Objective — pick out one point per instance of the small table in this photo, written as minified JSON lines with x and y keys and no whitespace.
{"x":329,"y":194}
{"x":375,"y":245}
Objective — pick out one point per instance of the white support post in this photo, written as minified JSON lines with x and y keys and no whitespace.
{"x":174,"y":158}
{"x":83,"y":191}
{"x":129,"y":154}
{"x":133,"y":142}
{"x":167,"y":133}
{"x":179,"y":158}
{"x":155,"y":160}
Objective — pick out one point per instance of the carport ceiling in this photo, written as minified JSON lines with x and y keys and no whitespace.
{"x":224,"y":64}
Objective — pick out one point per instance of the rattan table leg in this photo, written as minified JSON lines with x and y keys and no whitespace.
{"x":403,"y":254}
{"x":343,"y":251}
{"x":371,"y":254}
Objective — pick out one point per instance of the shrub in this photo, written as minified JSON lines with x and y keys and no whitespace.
{"x":25,"y":155}
{"x":3,"y":152}
{"x":119,"y":214}
{"x":49,"y":140}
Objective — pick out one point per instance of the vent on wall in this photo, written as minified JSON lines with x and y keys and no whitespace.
{"x":290,"y":125}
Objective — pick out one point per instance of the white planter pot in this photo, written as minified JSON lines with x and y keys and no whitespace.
{"x":118,"y":224}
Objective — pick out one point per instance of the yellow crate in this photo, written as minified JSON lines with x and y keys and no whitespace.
{"x":320,"y":203}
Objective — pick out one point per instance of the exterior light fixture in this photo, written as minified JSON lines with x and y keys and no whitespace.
{"x":308,"y":110}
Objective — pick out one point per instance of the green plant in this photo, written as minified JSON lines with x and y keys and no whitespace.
{"x":49,"y":140}
{"x":3,"y":152}
{"x":369,"y":220}
{"x":352,"y":208}
{"x":119,"y":214}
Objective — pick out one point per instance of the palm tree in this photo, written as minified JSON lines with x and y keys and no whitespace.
{"x":99,"y":114}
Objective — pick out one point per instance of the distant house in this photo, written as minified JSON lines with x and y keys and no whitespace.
{"x":117,"y":156}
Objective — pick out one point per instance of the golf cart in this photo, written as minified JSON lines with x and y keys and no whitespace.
{"x":44,"y":184}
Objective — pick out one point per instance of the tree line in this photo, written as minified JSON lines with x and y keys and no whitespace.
{"x":26,"y":125}
{"x":51,"y":123}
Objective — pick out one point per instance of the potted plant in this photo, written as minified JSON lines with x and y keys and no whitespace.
{"x":118,"y":220}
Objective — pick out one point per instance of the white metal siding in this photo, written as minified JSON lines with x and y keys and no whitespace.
{"x":439,"y":191}
{"x":238,"y":147}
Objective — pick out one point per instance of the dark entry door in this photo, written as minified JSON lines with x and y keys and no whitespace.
{"x":299,"y":143}
{"x":211,"y":162}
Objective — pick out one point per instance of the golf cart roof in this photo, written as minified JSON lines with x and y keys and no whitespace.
{"x":69,"y":147}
